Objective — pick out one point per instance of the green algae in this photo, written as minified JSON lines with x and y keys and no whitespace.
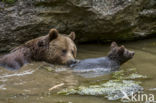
{"x":122,"y":82}
{"x":136,"y":76}
{"x":9,"y":1}
{"x":48,"y":68}
{"x":128,"y":74}
{"x":112,"y":90}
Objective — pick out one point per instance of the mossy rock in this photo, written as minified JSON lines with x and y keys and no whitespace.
{"x":122,"y":82}
{"x":112,"y":90}
{"x":9,"y":1}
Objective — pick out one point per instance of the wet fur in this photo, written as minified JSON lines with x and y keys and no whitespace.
{"x":116,"y":57}
{"x":46,"y":48}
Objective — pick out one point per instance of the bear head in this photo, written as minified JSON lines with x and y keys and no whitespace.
{"x":120,"y":53}
{"x":54,"y":48}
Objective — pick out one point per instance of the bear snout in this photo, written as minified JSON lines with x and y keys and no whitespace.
{"x":73,"y":61}
{"x":132,"y":53}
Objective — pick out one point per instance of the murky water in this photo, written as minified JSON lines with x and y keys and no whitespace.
{"x":32,"y":83}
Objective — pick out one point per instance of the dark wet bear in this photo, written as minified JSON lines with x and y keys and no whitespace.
{"x":52,"y":48}
{"x":116,"y":57}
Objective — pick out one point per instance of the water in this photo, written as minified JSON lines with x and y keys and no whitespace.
{"x":32,"y":82}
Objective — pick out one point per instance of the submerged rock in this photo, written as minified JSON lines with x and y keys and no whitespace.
{"x":135,"y":76}
{"x":92,"y":20}
{"x":112,"y":90}
{"x":129,"y":74}
{"x":123,"y":82}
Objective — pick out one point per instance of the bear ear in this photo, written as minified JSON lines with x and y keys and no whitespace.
{"x":121,"y":50}
{"x":72,"y":35}
{"x":114,"y":44}
{"x":53,"y":34}
{"x":122,"y":46}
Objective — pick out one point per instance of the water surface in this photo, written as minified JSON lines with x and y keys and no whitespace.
{"x":31,"y":83}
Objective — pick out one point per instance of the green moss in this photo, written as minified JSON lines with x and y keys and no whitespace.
{"x":136,"y":76}
{"x":112,"y":89}
{"x":9,"y":1}
{"x":118,"y":75}
{"x":122,"y":81}
{"x":47,"y":67}
{"x":129,"y":74}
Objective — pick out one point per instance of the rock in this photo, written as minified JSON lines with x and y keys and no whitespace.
{"x":129,"y":74}
{"x":112,"y":90}
{"x":92,"y":20}
{"x":122,"y":82}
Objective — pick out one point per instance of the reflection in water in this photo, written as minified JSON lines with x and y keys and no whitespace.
{"x":90,"y":73}
{"x":31,"y":82}
{"x":17,"y":74}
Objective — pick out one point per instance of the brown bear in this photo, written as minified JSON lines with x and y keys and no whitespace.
{"x":52,"y":48}
{"x":116,"y":57}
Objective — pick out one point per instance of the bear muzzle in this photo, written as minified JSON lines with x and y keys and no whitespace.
{"x":73,"y":61}
{"x":132,"y":53}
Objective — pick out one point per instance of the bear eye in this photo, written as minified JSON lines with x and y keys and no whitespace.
{"x":40,"y":43}
{"x":64,"y":51}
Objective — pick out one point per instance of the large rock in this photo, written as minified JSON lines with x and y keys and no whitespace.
{"x":92,"y":20}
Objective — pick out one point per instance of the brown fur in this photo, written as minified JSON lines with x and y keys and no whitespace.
{"x":120,"y":53}
{"x":52,"y":48}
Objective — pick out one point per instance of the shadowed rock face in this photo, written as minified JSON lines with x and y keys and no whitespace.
{"x":90,"y":19}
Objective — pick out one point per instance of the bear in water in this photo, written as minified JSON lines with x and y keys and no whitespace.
{"x":116,"y":57}
{"x":52,"y":48}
